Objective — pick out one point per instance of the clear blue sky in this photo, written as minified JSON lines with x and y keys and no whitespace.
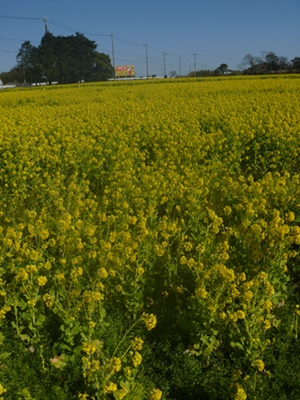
{"x":209,"y":32}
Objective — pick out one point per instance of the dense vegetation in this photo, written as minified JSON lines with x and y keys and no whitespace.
{"x":149,"y":240}
{"x":62,"y":59}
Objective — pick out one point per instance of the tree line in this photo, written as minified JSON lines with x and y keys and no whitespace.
{"x":268,"y":63}
{"x":69,"y":59}
{"x":61,"y":59}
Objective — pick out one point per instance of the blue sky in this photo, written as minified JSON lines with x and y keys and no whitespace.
{"x":207,"y":32}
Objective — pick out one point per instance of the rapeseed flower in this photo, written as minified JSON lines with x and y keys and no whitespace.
{"x":150,"y":321}
{"x":259,"y":364}
{"x":240,"y":393}
{"x":155,"y":394}
{"x":116,"y":364}
{"x":110,"y":388}
{"x":42,"y":280}
{"x":137,"y":343}
{"x":137,"y":359}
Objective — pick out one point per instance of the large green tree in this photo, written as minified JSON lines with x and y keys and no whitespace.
{"x":102,"y":68}
{"x":65,"y":59}
{"x":48,"y":52}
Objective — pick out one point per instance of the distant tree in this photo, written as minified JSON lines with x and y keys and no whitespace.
{"x":173,"y":74}
{"x":268,"y":63}
{"x":222,"y":69}
{"x":15,"y":75}
{"x":271,"y":62}
{"x":295,"y":64}
{"x":202,"y":72}
{"x":283,"y":63}
{"x":27,"y":62}
{"x":250,"y":61}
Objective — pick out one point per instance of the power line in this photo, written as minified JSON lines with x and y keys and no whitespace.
{"x":5,"y":39}
{"x":52,"y":22}
{"x":127,"y":42}
{"x":25,"y":18}
{"x":62,"y":26}
{"x":155,"y":50}
{"x":10,"y":39}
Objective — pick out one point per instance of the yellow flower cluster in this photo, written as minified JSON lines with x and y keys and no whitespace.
{"x":137,"y":343}
{"x":116,"y":364}
{"x":259,"y":364}
{"x":137,"y":359}
{"x":42,"y":280}
{"x":3,"y":311}
{"x":150,"y":321}
{"x":89,"y":348}
{"x":2,"y":390}
{"x":155,"y":394}
{"x":240,"y":394}
{"x":110,"y":388}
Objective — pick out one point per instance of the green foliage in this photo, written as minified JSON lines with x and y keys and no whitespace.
{"x":63,"y":59}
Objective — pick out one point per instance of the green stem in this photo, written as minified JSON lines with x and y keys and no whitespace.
{"x":125,"y":335}
{"x":17,"y":319}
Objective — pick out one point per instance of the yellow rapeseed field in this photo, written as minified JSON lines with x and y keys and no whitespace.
{"x":130,"y":208}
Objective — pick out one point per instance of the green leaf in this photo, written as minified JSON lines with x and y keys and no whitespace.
{"x":236,"y":345}
{"x":76,"y":329}
{"x":25,"y":337}
{"x":40,"y":320}
{"x":4,"y":355}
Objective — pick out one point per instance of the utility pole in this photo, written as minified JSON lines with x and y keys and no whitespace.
{"x":46,"y":26}
{"x":179,"y":65}
{"x":147,"y":72}
{"x":113,"y":54}
{"x":195,"y":64}
{"x":165,"y":73}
